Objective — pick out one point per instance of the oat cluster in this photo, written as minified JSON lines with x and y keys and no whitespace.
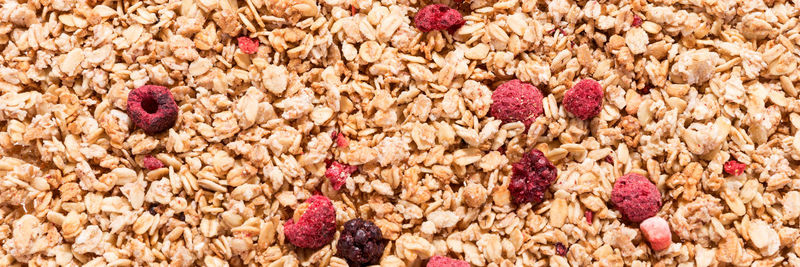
{"x":372,"y":116}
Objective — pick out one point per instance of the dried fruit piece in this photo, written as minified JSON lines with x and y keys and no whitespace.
{"x":152,"y":163}
{"x":248,"y":45}
{"x":656,"y":231}
{"x":637,"y":21}
{"x":734,"y":167}
{"x":584,"y":99}
{"x":531,"y":177}
{"x":341,"y":141}
{"x":516,"y":101}
{"x":338,"y":173}
{"x":589,"y":216}
{"x":438,"y":17}
{"x":152,"y":108}
{"x":361,"y":242}
{"x":561,"y":250}
{"x":313,"y":225}
{"x":441,"y":261}
{"x":636,"y":197}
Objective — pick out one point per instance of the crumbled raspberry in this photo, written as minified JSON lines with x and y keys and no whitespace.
{"x":734,"y":167}
{"x":561,"y":250}
{"x":516,"y":101}
{"x":645,"y":90}
{"x":341,"y":141}
{"x":152,"y":108}
{"x":637,"y":21}
{"x":441,"y":261}
{"x":361,"y":242}
{"x":353,"y":10}
{"x":584,"y":99}
{"x":609,"y":159}
{"x":531,"y":177}
{"x":338,"y":173}
{"x":589,"y":216}
{"x":315,"y":227}
{"x":248,"y":45}
{"x":152,"y":163}
{"x":635,"y":197}
{"x":502,"y":149}
{"x":438,"y":17}
{"x":656,"y":231}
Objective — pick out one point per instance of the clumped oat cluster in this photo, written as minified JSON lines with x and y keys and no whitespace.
{"x":290,"y":118}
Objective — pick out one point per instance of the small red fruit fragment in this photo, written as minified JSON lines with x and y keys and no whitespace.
{"x":152,"y":163}
{"x":561,"y":250}
{"x":248,"y":45}
{"x":531,"y":177}
{"x":584,"y":99}
{"x":637,"y":21}
{"x":441,"y":261}
{"x":438,"y":17}
{"x":152,"y":108}
{"x":734,"y":167}
{"x":338,"y":173}
{"x":635,"y":197}
{"x":341,"y":141}
{"x":353,"y":10}
{"x":315,"y":227}
{"x":589,"y":216}
{"x":516,"y":101}
{"x":656,"y":231}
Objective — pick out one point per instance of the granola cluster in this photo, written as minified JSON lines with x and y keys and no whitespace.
{"x":249,"y":132}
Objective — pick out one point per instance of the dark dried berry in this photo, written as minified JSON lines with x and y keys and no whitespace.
{"x":152,"y":108}
{"x":438,"y":17}
{"x":313,"y":225}
{"x":531,"y":177}
{"x":609,"y":159}
{"x":338,"y":173}
{"x":361,"y":242}
{"x":637,"y":21}
{"x":441,"y":261}
{"x":152,"y":163}
{"x":561,"y":250}
{"x":341,"y":141}
{"x":635,"y":197}
{"x":248,"y":45}
{"x":584,"y":99}
{"x":734,"y":167}
{"x":515,"y":101}
{"x":589,"y":216}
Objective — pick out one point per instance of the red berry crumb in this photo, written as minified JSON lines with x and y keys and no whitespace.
{"x":584,"y":99}
{"x":589,"y":216}
{"x":353,"y":10}
{"x":152,"y":163}
{"x":441,"y":261}
{"x":152,"y":108}
{"x":341,"y":141}
{"x":645,"y":90}
{"x":338,"y":173}
{"x":637,"y":21}
{"x":561,"y":250}
{"x":248,"y":45}
{"x":609,"y":159}
{"x":315,"y":227}
{"x":516,"y":101}
{"x":531,"y":177}
{"x":438,"y":17}
{"x":635,"y":197}
{"x":734,"y":167}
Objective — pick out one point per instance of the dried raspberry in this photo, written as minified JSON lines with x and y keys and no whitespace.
{"x":734,"y":167}
{"x":338,"y":173}
{"x":656,"y":231}
{"x":516,"y":101}
{"x":315,"y":227}
{"x":152,"y":163}
{"x":609,"y":159}
{"x":589,"y":216}
{"x":636,"y":197}
{"x":248,"y":45}
{"x":441,"y":261}
{"x":637,"y":21}
{"x":531,"y":177}
{"x":341,"y":141}
{"x":438,"y":17}
{"x":645,"y":90}
{"x":584,"y":99}
{"x":561,"y":250}
{"x":361,"y":242}
{"x":152,"y":108}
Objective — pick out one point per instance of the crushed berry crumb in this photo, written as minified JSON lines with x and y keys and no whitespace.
{"x":441,"y":261}
{"x":438,"y":17}
{"x":248,"y":45}
{"x":152,"y":108}
{"x":361,"y":242}
{"x":502,"y":149}
{"x":315,"y":227}
{"x":338,"y":173}
{"x":644,"y":90}
{"x":152,"y":163}
{"x":515,"y":101}
{"x":637,"y":21}
{"x":561,"y":250}
{"x":340,"y":139}
{"x":531,"y":177}
{"x":609,"y":159}
{"x":734,"y":167}
{"x":584,"y":99}
{"x":353,"y":10}
{"x":589,"y":216}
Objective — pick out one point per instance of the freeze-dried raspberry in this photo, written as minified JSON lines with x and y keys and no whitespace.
{"x":152,"y":163}
{"x":313,"y":228}
{"x":531,"y":177}
{"x":589,"y":216}
{"x":516,"y":101}
{"x":584,"y":99}
{"x":734,"y":167}
{"x":561,"y":250}
{"x":637,"y":21}
{"x":656,"y":231}
{"x":338,"y":173}
{"x":361,"y":242}
{"x":341,"y":141}
{"x":248,"y":45}
{"x":438,"y":17}
{"x":441,"y":261}
{"x":635,"y":197}
{"x":152,"y":108}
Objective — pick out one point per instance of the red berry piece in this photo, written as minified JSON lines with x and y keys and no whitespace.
{"x":584,"y":99}
{"x":313,"y":225}
{"x":589,"y":216}
{"x":152,"y":108}
{"x":516,"y":101}
{"x":561,"y":250}
{"x":531,"y":177}
{"x":637,"y":21}
{"x":734,"y":167}
{"x":361,"y":242}
{"x":656,"y":231}
{"x":152,"y":163}
{"x":438,"y":17}
{"x":440,"y":261}
{"x":248,"y":45}
{"x":635,"y":197}
{"x":341,"y":141}
{"x":338,"y":173}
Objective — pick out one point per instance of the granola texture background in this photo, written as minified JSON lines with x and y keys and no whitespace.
{"x":689,"y":85}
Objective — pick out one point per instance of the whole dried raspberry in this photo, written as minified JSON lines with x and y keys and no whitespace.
{"x":152,"y":163}
{"x":441,"y":261}
{"x":361,"y":242}
{"x":248,"y":45}
{"x":516,"y":101}
{"x":313,"y":225}
{"x":338,"y":173}
{"x":152,"y":108}
{"x":636,"y":197}
{"x":584,"y":99}
{"x":531,"y":177}
{"x":438,"y":17}
{"x":734,"y":167}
